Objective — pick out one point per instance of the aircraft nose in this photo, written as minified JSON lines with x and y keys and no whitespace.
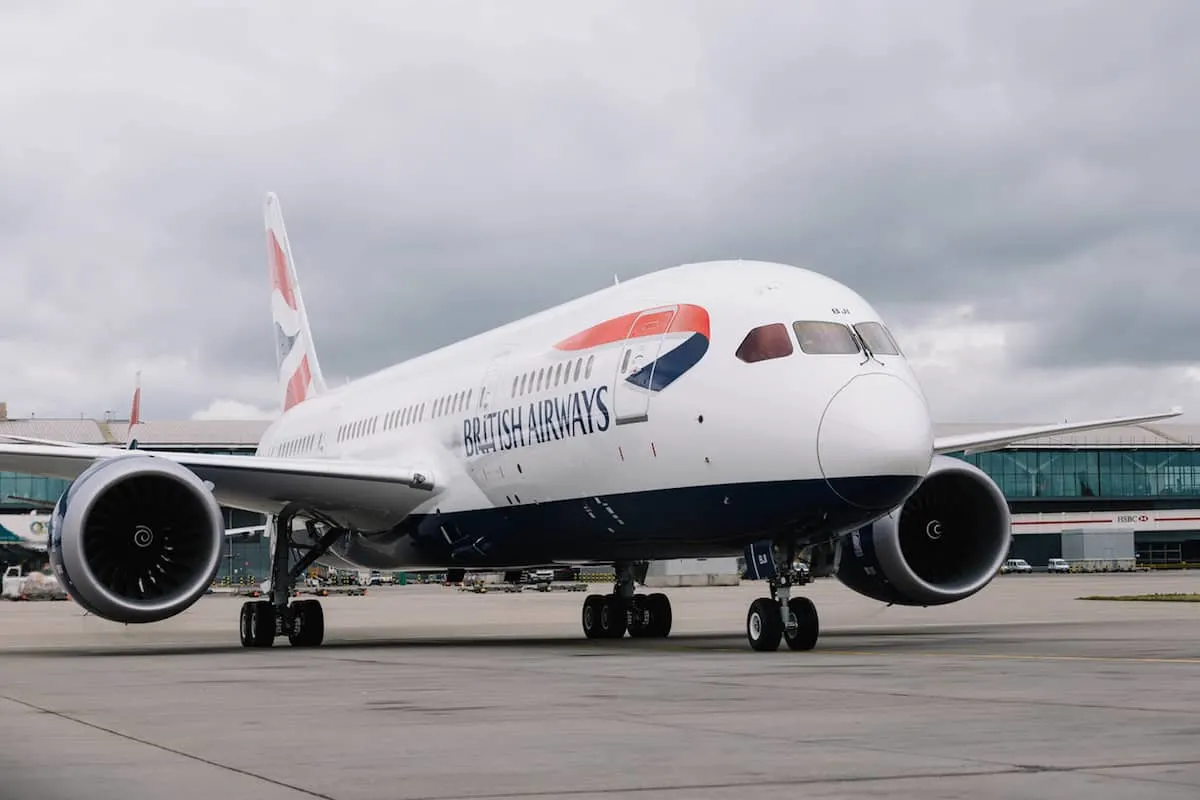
{"x":875,"y":441}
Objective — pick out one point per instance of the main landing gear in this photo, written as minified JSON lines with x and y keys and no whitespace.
{"x":303,"y":621}
{"x":780,"y":616}
{"x":609,"y":616}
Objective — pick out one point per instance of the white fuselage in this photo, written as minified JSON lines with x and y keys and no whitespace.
{"x":556,"y":440}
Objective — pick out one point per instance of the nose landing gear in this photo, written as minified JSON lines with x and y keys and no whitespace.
{"x":780,"y":617}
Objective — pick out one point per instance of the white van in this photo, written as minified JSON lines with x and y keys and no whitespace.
{"x":1016,"y":565}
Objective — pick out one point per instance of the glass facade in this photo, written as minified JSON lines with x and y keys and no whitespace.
{"x":29,"y":491}
{"x":1113,"y":474}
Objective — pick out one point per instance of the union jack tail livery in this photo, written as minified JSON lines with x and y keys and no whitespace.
{"x":295,"y":356}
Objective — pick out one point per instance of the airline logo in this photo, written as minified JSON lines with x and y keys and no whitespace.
{"x":287,"y":326}
{"x":683,"y":331}
{"x":680,"y":334}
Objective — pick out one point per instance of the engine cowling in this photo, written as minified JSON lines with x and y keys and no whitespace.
{"x":945,"y":543}
{"x":136,"y":538}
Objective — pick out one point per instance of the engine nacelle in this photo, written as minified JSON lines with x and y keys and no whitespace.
{"x":136,"y":538}
{"x":945,"y":543}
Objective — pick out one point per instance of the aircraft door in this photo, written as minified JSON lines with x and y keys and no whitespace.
{"x":492,"y":395}
{"x":635,"y":364}
{"x":489,"y":387}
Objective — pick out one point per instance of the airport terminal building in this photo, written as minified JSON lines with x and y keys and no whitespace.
{"x":1107,"y":496}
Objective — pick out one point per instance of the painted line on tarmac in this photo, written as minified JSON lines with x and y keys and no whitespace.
{"x":1013,"y":656}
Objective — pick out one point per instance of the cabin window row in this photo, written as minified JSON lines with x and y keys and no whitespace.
{"x":548,"y":377}
{"x":816,"y":338}
{"x":299,"y":446}
{"x":409,"y":415}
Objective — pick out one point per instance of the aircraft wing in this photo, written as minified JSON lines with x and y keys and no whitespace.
{"x":384,"y":494}
{"x":990,"y":440}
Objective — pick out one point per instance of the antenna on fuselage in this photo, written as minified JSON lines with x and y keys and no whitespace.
{"x":616,"y":280}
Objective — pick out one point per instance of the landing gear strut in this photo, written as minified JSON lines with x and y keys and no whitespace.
{"x":610,"y":616}
{"x":303,"y":621}
{"x":781,"y":616}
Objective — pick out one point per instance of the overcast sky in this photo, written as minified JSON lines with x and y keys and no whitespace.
{"x":1015,"y":185}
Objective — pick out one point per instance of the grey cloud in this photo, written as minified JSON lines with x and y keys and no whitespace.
{"x":445,"y":168}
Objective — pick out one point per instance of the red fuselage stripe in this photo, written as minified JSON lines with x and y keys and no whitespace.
{"x":689,"y":319}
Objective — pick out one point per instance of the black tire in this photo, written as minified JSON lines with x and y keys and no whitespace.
{"x":641,"y":622}
{"x":591,"y":616}
{"x":659,"y":606}
{"x":262,"y":623}
{"x":808,"y":625}
{"x":244,"y":625}
{"x":612,"y":617}
{"x":764,"y":625}
{"x":308,"y":624}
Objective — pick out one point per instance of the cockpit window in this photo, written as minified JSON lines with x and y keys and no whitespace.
{"x":878,"y":339}
{"x":765,"y":342}
{"x":825,"y":338}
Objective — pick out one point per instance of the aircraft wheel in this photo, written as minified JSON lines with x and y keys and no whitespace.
{"x":764,"y":627}
{"x":802,"y":636}
{"x":591,"y":616}
{"x":612,"y":620}
{"x":308,"y":624}
{"x":257,"y":624}
{"x":659,"y":606}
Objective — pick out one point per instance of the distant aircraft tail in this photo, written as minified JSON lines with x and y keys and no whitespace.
{"x":299,"y":371}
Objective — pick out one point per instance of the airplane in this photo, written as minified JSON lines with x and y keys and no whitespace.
{"x":710,"y":409}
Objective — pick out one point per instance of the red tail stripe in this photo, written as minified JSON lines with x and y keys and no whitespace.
{"x":297,"y":388}
{"x":280,"y":278}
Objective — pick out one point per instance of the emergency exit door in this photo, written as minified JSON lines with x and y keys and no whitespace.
{"x":635,"y":364}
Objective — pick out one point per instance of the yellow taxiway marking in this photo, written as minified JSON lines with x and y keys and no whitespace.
{"x":1012,"y":656}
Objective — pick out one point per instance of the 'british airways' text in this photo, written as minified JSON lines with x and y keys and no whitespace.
{"x":579,"y":413}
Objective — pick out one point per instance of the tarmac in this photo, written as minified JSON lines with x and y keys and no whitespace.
{"x":428,"y":692}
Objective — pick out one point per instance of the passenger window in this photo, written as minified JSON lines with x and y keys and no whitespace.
{"x":578,"y":367}
{"x":587,"y":373}
{"x":764,"y":343}
{"x":878,"y":338}
{"x":541,"y":374}
{"x":514,"y":389}
{"x":825,"y":338}
{"x":558,"y":373}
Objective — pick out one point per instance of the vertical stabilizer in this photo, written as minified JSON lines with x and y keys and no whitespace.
{"x":135,"y":412}
{"x":299,"y":371}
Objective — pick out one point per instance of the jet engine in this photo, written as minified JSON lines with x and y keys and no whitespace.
{"x":943,"y":544}
{"x":136,"y":538}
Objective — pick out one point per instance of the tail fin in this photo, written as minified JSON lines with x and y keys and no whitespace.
{"x":299,"y":371}
{"x":135,"y":412}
